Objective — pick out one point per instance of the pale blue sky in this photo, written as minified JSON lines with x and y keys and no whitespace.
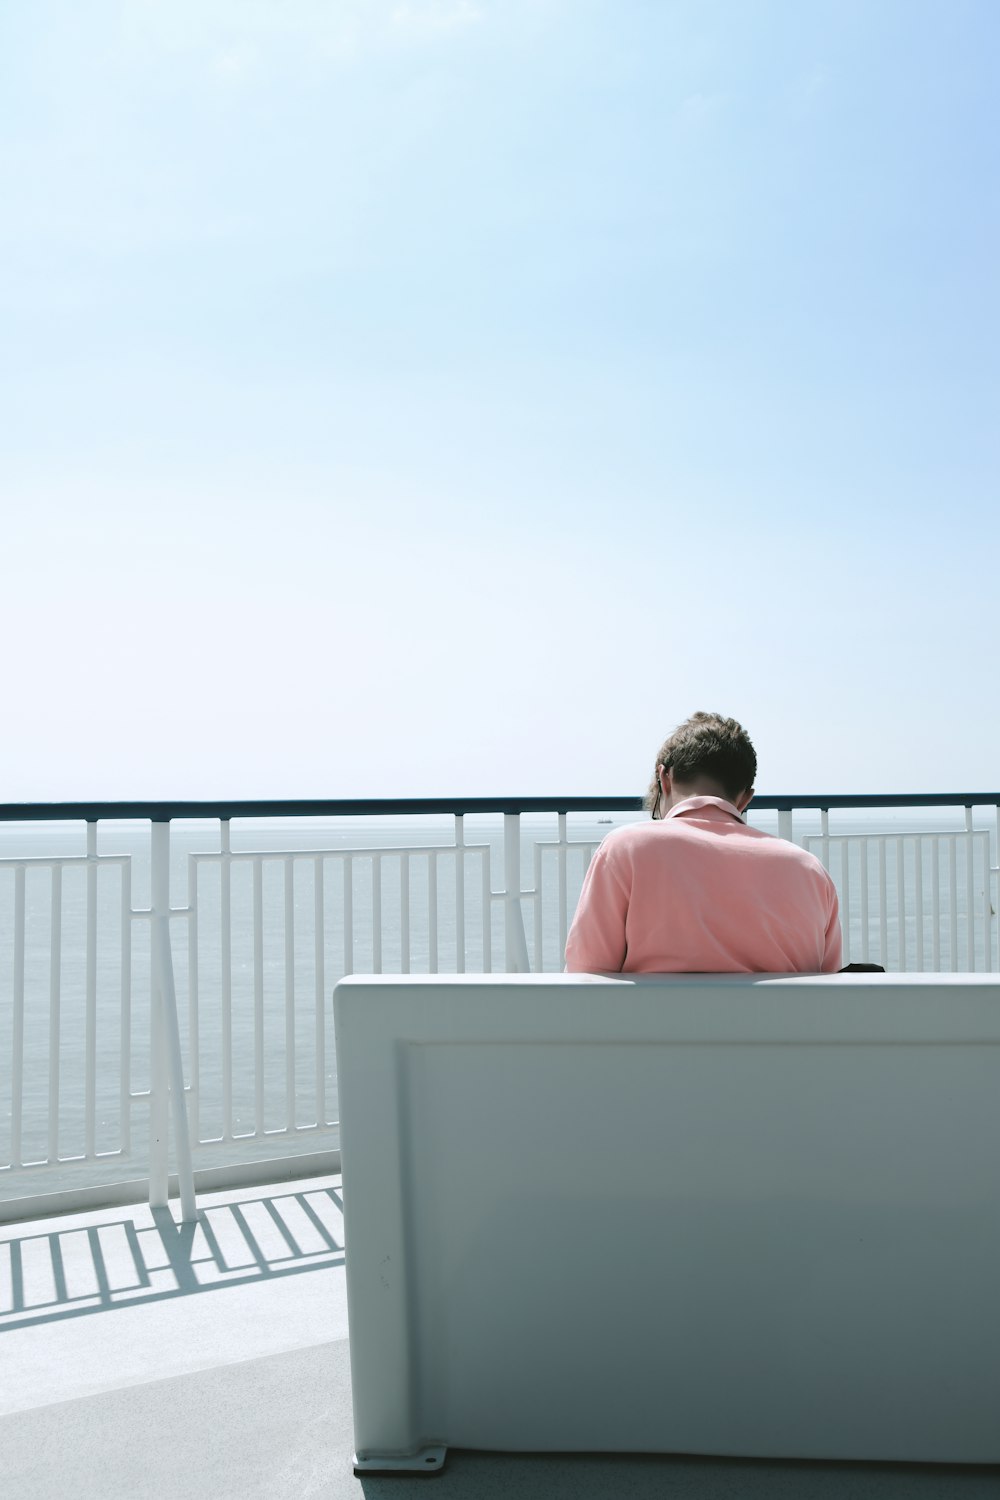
{"x":451,"y":396}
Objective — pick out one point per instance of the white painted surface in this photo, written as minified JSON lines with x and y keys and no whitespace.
{"x":726,"y":1215}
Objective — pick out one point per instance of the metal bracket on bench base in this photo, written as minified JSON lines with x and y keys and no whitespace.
{"x":425,"y":1461}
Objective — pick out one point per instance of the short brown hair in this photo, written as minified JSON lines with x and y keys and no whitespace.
{"x":707,"y":745}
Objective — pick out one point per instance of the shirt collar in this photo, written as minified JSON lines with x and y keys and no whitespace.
{"x":695,"y":804}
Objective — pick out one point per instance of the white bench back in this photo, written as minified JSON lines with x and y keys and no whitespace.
{"x":743,"y":1215}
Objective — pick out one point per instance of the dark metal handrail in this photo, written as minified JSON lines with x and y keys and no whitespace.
{"x":165,"y":812}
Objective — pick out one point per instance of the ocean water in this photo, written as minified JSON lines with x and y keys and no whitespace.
{"x":350,"y":912}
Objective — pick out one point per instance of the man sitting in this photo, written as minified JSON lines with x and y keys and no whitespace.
{"x":696,"y":890}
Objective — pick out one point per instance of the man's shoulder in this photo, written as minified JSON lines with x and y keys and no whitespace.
{"x":757,"y":841}
{"x":620,"y":846}
{"x":628,"y":835}
{"x":784,"y":849}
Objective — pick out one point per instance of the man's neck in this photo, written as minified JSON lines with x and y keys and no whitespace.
{"x":703,"y":787}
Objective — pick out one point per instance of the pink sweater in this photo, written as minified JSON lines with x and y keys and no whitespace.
{"x":700,"y":892}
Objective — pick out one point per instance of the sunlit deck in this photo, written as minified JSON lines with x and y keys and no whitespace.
{"x":144,"y":1357}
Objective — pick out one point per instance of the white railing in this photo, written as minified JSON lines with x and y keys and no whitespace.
{"x":916,"y":900}
{"x":217,"y":990}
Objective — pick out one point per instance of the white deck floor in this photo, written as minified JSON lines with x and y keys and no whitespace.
{"x":140,"y":1358}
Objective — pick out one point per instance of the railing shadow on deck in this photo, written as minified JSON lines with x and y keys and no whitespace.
{"x":146,"y":1256}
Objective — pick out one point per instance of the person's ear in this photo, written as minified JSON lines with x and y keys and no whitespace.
{"x":744,"y":799}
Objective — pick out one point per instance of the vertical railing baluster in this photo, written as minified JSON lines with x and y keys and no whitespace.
{"x":289,"y":873}
{"x":194,"y":1023}
{"x":319,"y":964}
{"x":984,"y":844}
{"x":824,"y":857}
{"x":159,"y":1097}
{"x":376,"y":914}
{"x":845,"y":896}
{"x":970,"y":895}
{"x":348,"y":864}
{"x":226,"y":998}
{"x":487,"y":900}
{"x":90,"y":1034}
{"x":883,"y":914}
{"x":515,"y":944}
{"x":17,"y":1037}
{"x":953,"y":900}
{"x":459,"y":893}
{"x":432,"y":912}
{"x":786,"y":825}
{"x":864,"y":901}
{"x":258,"y":994}
{"x":166,"y":1066}
{"x":563,"y":840}
{"x":125,"y":1035}
{"x":55,"y":983}
{"x":900,"y":906}
{"x":883,"y":924}
{"x":404,"y":913}
{"x":918,"y":898}
{"x":936,"y":901}
{"x":537,"y":926}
